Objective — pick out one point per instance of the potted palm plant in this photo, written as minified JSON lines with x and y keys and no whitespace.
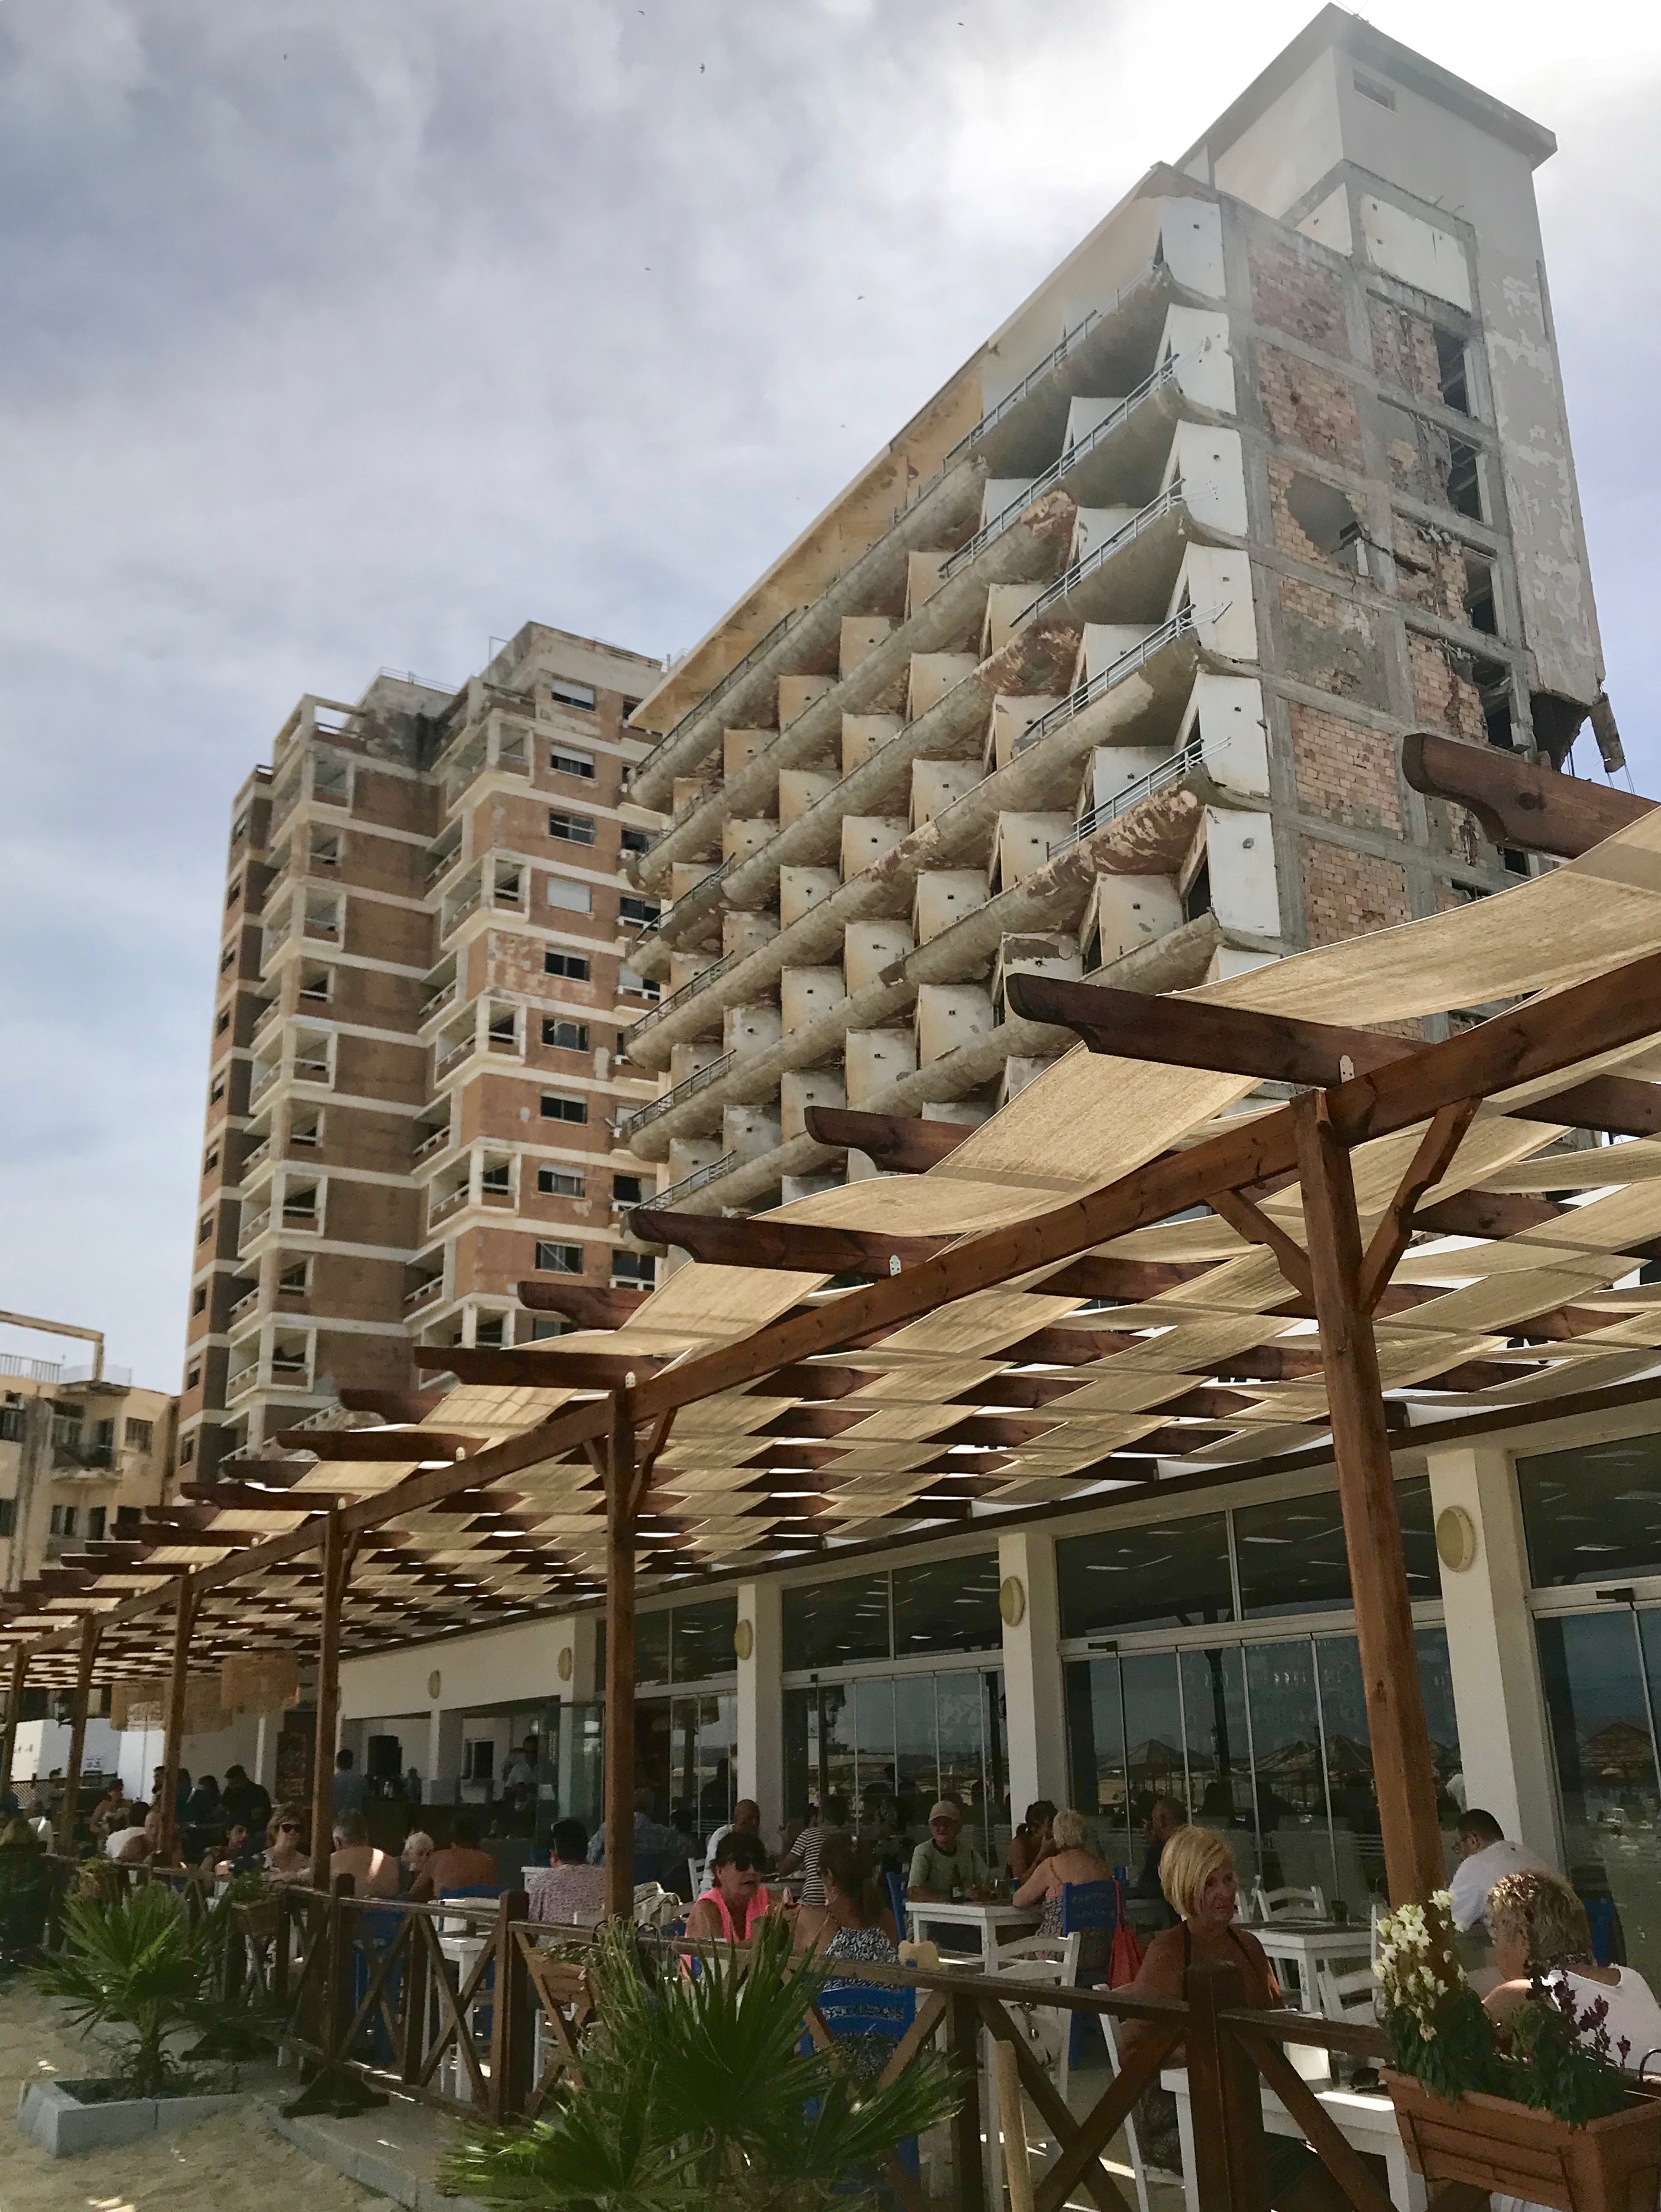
{"x":132,"y":1963}
{"x":696,"y":2090}
{"x":1542,"y":2110}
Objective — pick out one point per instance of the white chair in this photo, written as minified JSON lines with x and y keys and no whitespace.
{"x":1052,"y":1961}
{"x":1352,"y":1996}
{"x":699,"y":1871}
{"x":654,"y":1905}
{"x":1141,"y":2172}
{"x":1291,"y":1903}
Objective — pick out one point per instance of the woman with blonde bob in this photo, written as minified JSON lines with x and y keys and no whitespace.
{"x":1196,"y":1873}
{"x":1540,"y":1933}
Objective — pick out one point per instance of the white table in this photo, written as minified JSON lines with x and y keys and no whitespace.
{"x":1302,"y":1944}
{"x":994,"y":1924}
{"x":1366,"y":2119}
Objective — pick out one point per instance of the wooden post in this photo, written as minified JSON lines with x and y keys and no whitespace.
{"x":1404,"y":1773}
{"x":511,"y":2026}
{"x":1231,"y":2171}
{"x":1011,"y":2124}
{"x":337,"y":1571}
{"x":172,"y":1744}
{"x":19,"y":1668}
{"x":66,"y":1812}
{"x":622,"y":1518}
{"x":962,"y":2044}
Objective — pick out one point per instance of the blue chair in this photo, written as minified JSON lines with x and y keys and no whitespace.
{"x":874,"y":2018}
{"x":1605,"y":1922}
{"x":897,"y":1886}
{"x":1092,"y":1910}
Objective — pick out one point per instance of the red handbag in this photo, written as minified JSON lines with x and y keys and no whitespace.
{"x":1125,"y":1960}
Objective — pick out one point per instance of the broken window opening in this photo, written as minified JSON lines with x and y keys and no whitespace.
{"x":569,"y":1037}
{"x":1464,"y":480}
{"x":1196,"y":899}
{"x":1481,"y":611}
{"x":1493,"y":681}
{"x":1451,"y":374}
{"x":558,"y":1183}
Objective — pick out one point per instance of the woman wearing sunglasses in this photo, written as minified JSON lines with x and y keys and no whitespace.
{"x":736,"y":1901}
{"x":286,"y":1856}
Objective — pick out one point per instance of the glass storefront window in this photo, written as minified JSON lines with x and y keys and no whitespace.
{"x":1163,"y":1574}
{"x":1593,"y":1514}
{"x":1292,"y":1556}
{"x":829,"y":1624}
{"x":701,"y":1640}
{"x":651,"y":1647}
{"x":1095,"y":1742}
{"x":891,"y":1745}
{"x":1599,"y":1672}
{"x":950,"y":1605}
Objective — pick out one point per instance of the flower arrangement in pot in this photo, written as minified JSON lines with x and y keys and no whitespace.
{"x":1539,"y":2103}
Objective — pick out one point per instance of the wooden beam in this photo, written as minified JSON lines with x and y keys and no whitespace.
{"x":540,"y":1366}
{"x":1125,"y":1282}
{"x":905,"y":1144}
{"x":1518,"y":802}
{"x":347,"y":1445}
{"x":623,"y":1499}
{"x":811,"y":1383}
{"x":1251,"y":1222}
{"x":1614,"y":1103}
{"x":581,"y":1302}
{"x":1496,"y":1213}
{"x":1192,"y":1033}
{"x":338,"y":1546}
{"x":1431,"y":1158}
{"x":174,"y":1724}
{"x":1403,"y":1769}
{"x":19,"y":1669}
{"x":811,"y":1247}
{"x":69,"y":1807}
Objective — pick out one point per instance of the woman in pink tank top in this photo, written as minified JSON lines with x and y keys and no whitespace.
{"x":736,"y":1900}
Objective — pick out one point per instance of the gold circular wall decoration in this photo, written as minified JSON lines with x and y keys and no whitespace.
{"x":1011,"y":1600}
{"x":1455,"y":1539}
{"x":744,"y":1639}
{"x":434,"y":1683}
{"x":565,"y":1664}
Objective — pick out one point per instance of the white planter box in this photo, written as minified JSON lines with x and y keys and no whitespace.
{"x":51,"y":2116}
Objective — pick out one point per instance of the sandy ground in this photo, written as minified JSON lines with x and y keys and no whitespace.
{"x":230,"y":2164}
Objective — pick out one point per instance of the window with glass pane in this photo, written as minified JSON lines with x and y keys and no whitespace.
{"x":1219,"y":1749}
{"x":1095,"y":1750}
{"x":1154,"y":1731}
{"x":1592,"y":1670}
{"x":949,"y":1606}
{"x":651,"y":1647}
{"x":916,"y":1749}
{"x":873,"y":1734}
{"x":827,"y":1624}
{"x":829,"y":1742}
{"x":1290,"y":1777}
{"x":961,"y":1721}
{"x":1163,"y":1574}
{"x":705,"y":1746}
{"x":800,"y":1783}
{"x":1594,"y":1513}
{"x":1292,"y":1558}
{"x":701,"y":1640}
{"x":654,"y":1757}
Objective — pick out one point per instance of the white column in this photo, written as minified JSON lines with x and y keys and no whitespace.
{"x":267,"y":1729}
{"x":1504,"y":1745}
{"x":443,"y":1775}
{"x":761,"y":1703}
{"x":1034,"y":1699}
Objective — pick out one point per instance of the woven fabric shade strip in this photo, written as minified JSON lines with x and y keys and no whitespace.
{"x":1092,"y":1399}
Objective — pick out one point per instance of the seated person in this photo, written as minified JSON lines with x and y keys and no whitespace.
{"x":111,"y":1811}
{"x":1539,"y":1927}
{"x":286,"y":1857}
{"x":241,"y":1855}
{"x":1069,"y":1861}
{"x":130,"y":1845}
{"x":1032,"y":1842}
{"x":570,"y":1889}
{"x":461,"y":1864}
{"x":803,"y":1857}
{"x":736,"y":1901}
{"x":948,"y":1865}
{"x":373,"y":1872}
{"x":1485,"y":1857}
{"x":856,"y":1921}
{"x":418,"y":1848}
{"x":745,"y":1821}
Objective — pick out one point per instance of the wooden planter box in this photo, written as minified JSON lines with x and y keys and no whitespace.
{"x":1611,"y":2165}
{"x":257,"y":1920}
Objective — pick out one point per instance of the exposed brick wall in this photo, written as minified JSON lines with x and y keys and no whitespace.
{"x":1404,"y":349}
{"x":1345,"y":893}
{"x":1441,"y":697}
{"x":1330,"y":642}
{"x":1430,"y":572}
{"x":1344,"y":771}
{"x":1310,"y":408}
{"x":1293,"y":289}
{"x":1289,"y":533}
{"x":1420,"y":455}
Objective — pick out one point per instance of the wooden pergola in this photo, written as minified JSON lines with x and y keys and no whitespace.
{"x":1146,"y":1271}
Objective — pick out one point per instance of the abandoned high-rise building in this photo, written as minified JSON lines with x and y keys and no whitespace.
{"x":1103,"y":665}
{"x":413,"y":1075}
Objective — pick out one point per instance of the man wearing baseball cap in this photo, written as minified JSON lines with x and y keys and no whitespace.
{"x":947,"y":1865}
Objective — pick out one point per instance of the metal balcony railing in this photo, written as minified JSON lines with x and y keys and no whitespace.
{"x":1052,"y":475}
{"x":632,"y":1124}
{"x":1168,"y":772}
{"x":786,"y":620}
{"x":695,"y":891}
{"x":688,"y":990}
{"x":1099,"y":554}
{"x":686,"y":1186}
{"x":1066,"y":709}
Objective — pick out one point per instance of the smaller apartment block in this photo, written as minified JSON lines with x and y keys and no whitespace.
{"x":1102,"y":667}
{"x":415,"y":1071}
{"x":80,"y":1458}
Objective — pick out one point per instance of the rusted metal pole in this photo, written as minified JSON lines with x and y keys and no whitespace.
{"x":172,"y":1742}
{"x":19,"y":1668}
{"x":337,"y":1570}
{"x":66,"y":1811}
{"x":621,"y":1519}
{"x":1403,"y":1772}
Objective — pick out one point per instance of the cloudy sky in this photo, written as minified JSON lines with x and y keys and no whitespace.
{"x":347,"y":333}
